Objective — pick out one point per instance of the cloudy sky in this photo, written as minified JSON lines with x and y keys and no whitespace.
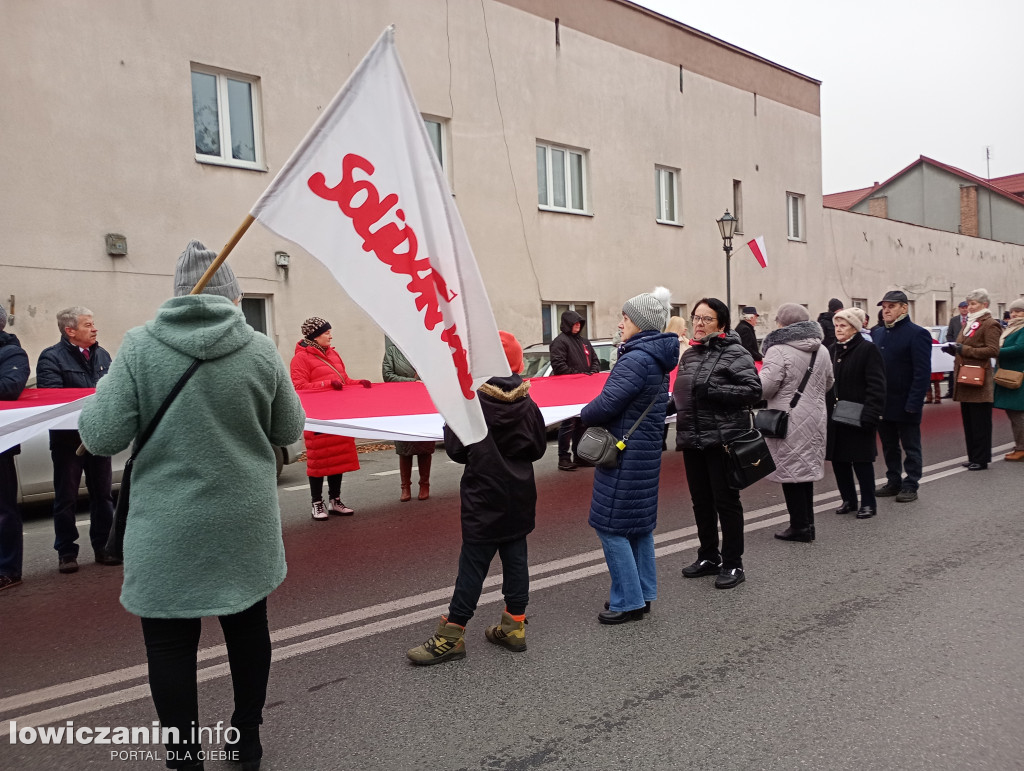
{"x":900,"y":78}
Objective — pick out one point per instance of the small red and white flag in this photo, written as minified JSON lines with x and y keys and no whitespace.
{"x":760,"y":253}
{"x":364,"y":194}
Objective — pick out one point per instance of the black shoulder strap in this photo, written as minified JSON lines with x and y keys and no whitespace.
{"x":144,"y":436}
{"x":639,"y":420}
{"x":807,"y":376}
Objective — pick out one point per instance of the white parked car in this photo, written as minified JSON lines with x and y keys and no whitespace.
{"x":537,"y":357}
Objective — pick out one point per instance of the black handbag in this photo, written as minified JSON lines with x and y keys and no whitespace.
{"x":747,"y":460}
{"x":775,"y":423}
{"x":599,"y":446}
{"x":848,"y":413}
{"x":115,"y":541}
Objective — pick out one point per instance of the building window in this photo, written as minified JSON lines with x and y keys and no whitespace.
{"x":860,"y":302}
{"x":225,"y":117}
{"x":679,"y":309}
{"x":551,"y":318}
{"x":795,"y":212}
{"x":561,"y":178}
{"x":255,"y":310}
{"x":436,"y":132}
{"x":666,"y":192}
{"x":737,"y":204}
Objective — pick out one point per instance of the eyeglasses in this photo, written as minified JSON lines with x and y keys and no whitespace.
{"x":704,"y":319}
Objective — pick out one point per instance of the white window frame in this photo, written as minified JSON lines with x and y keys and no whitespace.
{"x":860,"y":302}
{"x":442,"y":124}
{"x":796,"y":227}
{"x":224,"y":118}
{"x":568,"y":153}
{"x":666,"y":179}
{"x":267,"y":307}
{"x":550,"y":308}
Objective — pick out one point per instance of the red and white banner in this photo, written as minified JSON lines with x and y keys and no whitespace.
{"x":760,"y":253}
{"x":388,"y":411}
{"x":364,"y":194}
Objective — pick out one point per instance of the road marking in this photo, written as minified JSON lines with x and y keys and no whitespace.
{"x":281,"y":653}
{"x":386,"y":473}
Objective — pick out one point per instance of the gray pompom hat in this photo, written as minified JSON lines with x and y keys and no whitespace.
{"x":650,"y":310}
{"x":192,"y":264}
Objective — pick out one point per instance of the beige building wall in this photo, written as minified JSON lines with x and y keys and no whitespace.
{"x":868,"y":256}
{"x":98,"y":138}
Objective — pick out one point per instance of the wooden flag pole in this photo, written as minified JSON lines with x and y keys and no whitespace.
{"x":205,"y":279}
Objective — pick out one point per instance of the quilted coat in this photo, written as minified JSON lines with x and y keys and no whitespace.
{"x":498,"y":492}
{"x":800,"y":457}
{"x":859,"y":377}
{"x":326,"y":454}
{"x":906,"y":350}
{"x":716,"y":419}
{"x":980,"y":346}
{"x":63,"y":366}
{"x":204,"y":531}
{"x":1011,"y":356}
{"x":625,"y":499}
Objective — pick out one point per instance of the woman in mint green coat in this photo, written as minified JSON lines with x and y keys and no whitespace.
{"x":203,"y":535}
{"x":1011,"y":358}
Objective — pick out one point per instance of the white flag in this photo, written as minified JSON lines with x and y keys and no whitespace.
{"x":365,"y":194}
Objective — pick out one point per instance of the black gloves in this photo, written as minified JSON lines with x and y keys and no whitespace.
{"x":952,"y":349}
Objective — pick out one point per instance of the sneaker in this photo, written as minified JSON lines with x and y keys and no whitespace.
{"x":6,"y":582}
{"x":702,"y":568}
{"x":102,"y":558}
{"x":337,"y":507}
{"x":319,"y":511}
{"x":906,"y":495}
{"x":447,"y":644}
{"x":67,"y":563}
{"x":729,"y":578}
{"x":886,"y":491}
{"x":566,"y":465}
{"x":509,"y":633}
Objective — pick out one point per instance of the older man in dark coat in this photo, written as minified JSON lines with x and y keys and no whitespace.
{"x":77,"y":361}
{"x":745,"y":329}
{"x":906,"y":350}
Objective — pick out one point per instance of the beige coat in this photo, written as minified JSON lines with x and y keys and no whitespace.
{"x":979,"y":349}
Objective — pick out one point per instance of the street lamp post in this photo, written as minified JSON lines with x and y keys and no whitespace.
{"x":726,"y":226}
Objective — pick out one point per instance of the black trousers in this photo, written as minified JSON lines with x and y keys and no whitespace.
{"x":172,"y":645}
{"x":316,"y":487}
{"x":569,"y":434}
{"x":800,"y":503}
{"x":865,"y":472}
{"x":474,"y":562}
{"x":977,"y":419}
{"x":714,"y":502}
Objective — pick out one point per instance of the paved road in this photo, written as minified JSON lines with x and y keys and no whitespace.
{"x":889,"y":643}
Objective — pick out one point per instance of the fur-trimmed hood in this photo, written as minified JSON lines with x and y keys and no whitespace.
{"x":804,"y":336}
{"x":505,"y":389}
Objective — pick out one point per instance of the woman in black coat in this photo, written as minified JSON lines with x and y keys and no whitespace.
{"x":716,"y":386}
{"x":860,"y":377}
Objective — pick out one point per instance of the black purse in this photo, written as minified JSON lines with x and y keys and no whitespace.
{"x":775,"y":423}
{"x":848,"y":413}
{"x":115,"y":541}
{"x":599,"y":446}
{"x":747,"y":460}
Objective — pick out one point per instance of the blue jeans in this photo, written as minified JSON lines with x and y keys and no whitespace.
{"x":893,"y":434}
{"x":67,"y":477}
{"x":11,"y":540}
{"x":634,"y":573}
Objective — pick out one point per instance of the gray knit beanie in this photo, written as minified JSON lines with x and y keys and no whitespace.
{"x":650,"y":310}
{"x":3,"y":318}
{"x":192,"y":264}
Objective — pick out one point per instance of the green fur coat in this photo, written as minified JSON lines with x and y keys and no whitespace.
{"x":204,"y":528}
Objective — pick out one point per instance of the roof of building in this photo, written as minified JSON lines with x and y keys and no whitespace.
{"x":1013,"y":183}
{"x":850,"y":198}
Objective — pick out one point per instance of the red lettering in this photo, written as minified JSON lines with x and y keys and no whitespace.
{"x":394,"y":243}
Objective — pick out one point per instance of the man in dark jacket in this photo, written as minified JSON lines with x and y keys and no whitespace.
{"x":825,"y":320}
{"x":77,"y":361}
{"x":572,"y":354}
{"x":745,"y":329}
{"x":14,"y":371}
{"x":952,"y":333}
{"x":499,"y":502}
{"x":906,"y":350}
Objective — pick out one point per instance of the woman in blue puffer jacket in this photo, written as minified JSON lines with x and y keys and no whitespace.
{"x":624,"y":506}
